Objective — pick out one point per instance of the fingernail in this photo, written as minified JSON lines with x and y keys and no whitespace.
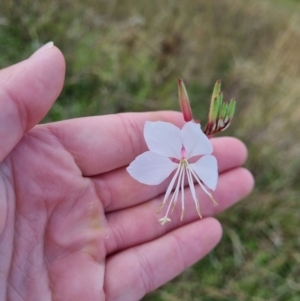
{"x":43,"y":48}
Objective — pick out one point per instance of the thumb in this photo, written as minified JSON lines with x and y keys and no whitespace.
{"x":27,"y":92}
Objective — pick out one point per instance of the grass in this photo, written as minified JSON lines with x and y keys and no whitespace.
{"x":127,"y":55}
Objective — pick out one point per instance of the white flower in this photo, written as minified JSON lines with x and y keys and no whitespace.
{"x":172,"y":149}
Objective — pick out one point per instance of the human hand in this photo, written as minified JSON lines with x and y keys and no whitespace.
{"x":74,"y":225}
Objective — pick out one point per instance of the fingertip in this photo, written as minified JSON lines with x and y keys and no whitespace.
{"x":52,"y":56}
{"x":50,"y":46}
{"x":41,"y":81}
{"x":207,"y":229}
{"x":233,"y":144}
{"x":249,"y":180}
{"x":50,"y":51}
{"x":230,"y":152}
{"x":29,"y":89}
{"x":58,"y":56}
{"x":43,"y":48}
{"x":233,"y":186}
{"x":216,"y":230}
{"x":241,"y":146}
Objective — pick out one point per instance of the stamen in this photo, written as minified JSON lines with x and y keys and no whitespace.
{"x":191,"y":184}
{"x":202,"y":186}
{"x":170,"y":203}
{"x":160,"y":207}
{"x":182,"y":212}
{"x":175,"y":195}
{"x":213,"y":200}
{"x":182,"y":193}
{"x":164,"y":220}
{"x":170,"y":187}
{"x":173,"y":207}
{"x":179,"y":175}
{"x":198,"y":209}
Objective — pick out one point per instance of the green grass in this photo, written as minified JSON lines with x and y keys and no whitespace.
{"x":127,"y":55}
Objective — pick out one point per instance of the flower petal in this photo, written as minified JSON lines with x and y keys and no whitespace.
{"x":206,"y":169}
{"x":194,"y":140}
{"x":151,"y":169}
{"x":163,"y":138}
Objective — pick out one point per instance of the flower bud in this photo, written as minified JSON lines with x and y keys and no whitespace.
{"x":184,"y":101}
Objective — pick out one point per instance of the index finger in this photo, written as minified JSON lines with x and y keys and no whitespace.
{"x":104,"y":143}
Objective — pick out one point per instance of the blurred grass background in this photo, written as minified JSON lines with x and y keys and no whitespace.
{"x":127,"y":55}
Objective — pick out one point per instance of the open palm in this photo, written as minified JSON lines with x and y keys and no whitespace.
{"x":74,"y":225}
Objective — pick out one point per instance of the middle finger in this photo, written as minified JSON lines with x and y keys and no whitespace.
{"x":118,"y":190}
{"x":139,"y":224}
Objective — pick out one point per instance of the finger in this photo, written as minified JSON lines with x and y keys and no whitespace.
{"x":101,"y":144}
{"x":119,"y":190}
{"x":136,"y":271}
{"x":27,"y":92}
{"x":139,"y":224}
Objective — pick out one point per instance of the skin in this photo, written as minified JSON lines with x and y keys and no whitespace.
{"x":73,"y":224}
